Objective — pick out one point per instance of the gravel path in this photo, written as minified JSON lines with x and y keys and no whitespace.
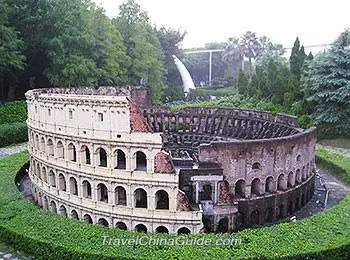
{"x":6,"y":151}
{"x":332,"y":149}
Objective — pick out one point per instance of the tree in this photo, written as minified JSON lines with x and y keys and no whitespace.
{"x":143,"y":47}
{"x":296,"y":59}
{"x":242,"y":83}
{"x":11,"y":57}
{"x":234,"y":56}
{"x":329,"y":84}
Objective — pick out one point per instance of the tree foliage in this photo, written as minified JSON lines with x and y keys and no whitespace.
{"x":329,"y":84}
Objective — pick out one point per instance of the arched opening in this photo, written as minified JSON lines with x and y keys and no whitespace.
{"x":86,"y":189}
{"x":269,"y":214}
{"x":222,"y":225}
{"x":290,"y":208}
{"x":37,"y":142}
{"x":141,"y":228}
{"x":140,"y":196}
{"x":280,"y":212}
{"x":85,"y":155}
{"x":206,"y":193}
{"x":72,"y":153}
{"x":42,"y":144}
{"x":52,"y":179}
{"x":256,"y":166}
{"x":281,"y":185}
{"x":73,"y":186}
{"x":102,"y":157}
{"x":269,"y":184}
{"x":121,"y":225}
{"x":162,"y":229}
{"x":50,"y":148}
{"x":74,"y":215}
{"x":240,"y":189}
{"x":297,"y":203}
{"x":120,"y":160}
{"x":103,"y":222}
{"x":45,"y":203}
{"x":87,"y":218}
{"x":53,"y":207}
{"x":44,"y":174}
{"x":291,"y":180}
{"x":102,"y":193}
{"x":254,"y":218}
{"x":60,"y":150}
{"x":298,"y":158}
{"x":120,"y":196}
{"x":298,"y":177}
{"x":162,"y":200}
{"x":255,"y":187}
{"x":63,"y":211}
{"x":141,"y":161}
{"x":183,"y":230}
{"x":303,"y":174}
{"x":37,"y":171}
{"x":61,"y":182}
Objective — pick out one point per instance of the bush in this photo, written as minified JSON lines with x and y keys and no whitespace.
{"x":13,"y":133}
{"x":51,"y":236}
{"x":13,"y":112}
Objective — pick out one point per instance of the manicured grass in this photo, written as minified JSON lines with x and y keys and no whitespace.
{"x":339,"y":142}
{"x":50,"y":236}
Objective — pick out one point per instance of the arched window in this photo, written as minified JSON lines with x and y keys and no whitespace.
{"x":269,"y":214}
{"x":120,"y":196}
{"x":72,"y":153}
{"x":255,"y":187}
{"x":87,"y":218}
{"x":121,"y":225}
{"x":73,"y":186}
{"x":102,"y":157}
{"x":50,"y":149}
{"x":42,"y":144}
{"x":140,"y":196}
{"x":281,"y":183}
{"x":102,"y":193}
{"x":45,"y":203}
{"x":63,"y":211}
{"x":86,"y":189}
{"x":269,"y":184}
{"x":303,"y":174}
{"x":256,"y":166}
{"x":141,"y":161}
{"x":298,"y":176}
{"x":184,"y":230}
{"x":120,"y":160}
{"x":53,"y":207}
{"x":291,"y":180}
{"x":103,"y":222}
{"x":162,"y":200}
{"x":37,"y":142}
{"x":61,"y":182}
{"x":141,"y":228}
{"x":74,"y":215}
{"x":44,"y":174}
{"x":52,"y":178}
{"x":240,"y":189}
{"x":254,"y":218}
{"x":162,"y":229}
{"x":85,"y":155}
{"x":60,"y":150}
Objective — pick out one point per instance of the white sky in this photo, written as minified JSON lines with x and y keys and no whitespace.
{"x":315,"y":22}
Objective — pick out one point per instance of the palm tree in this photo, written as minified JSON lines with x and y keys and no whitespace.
{"x":233,"y":55}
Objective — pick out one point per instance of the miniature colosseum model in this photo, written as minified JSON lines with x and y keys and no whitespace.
{"x":107,"y":156}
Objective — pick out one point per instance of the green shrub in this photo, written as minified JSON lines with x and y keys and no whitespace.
{"x":51,"y":236}
{"x":13,"y":112}
{"x":13,"y":133}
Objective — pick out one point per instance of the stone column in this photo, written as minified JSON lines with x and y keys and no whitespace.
{"x":197,"y":195}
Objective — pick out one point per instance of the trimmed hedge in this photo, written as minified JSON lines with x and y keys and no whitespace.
{"x":13,"y":112}
{"x":13,"y":133}
{"x":50,"y":236}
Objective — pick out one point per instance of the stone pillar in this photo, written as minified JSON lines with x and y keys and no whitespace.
{"x":197,"y":195}
{"x":216,"y":191}
{"x":248,"y":190}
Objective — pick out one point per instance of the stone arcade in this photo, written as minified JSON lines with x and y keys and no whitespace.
{"x":107,"y":156}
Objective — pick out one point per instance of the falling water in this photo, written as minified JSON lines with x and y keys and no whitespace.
{"x":187,"y":80}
